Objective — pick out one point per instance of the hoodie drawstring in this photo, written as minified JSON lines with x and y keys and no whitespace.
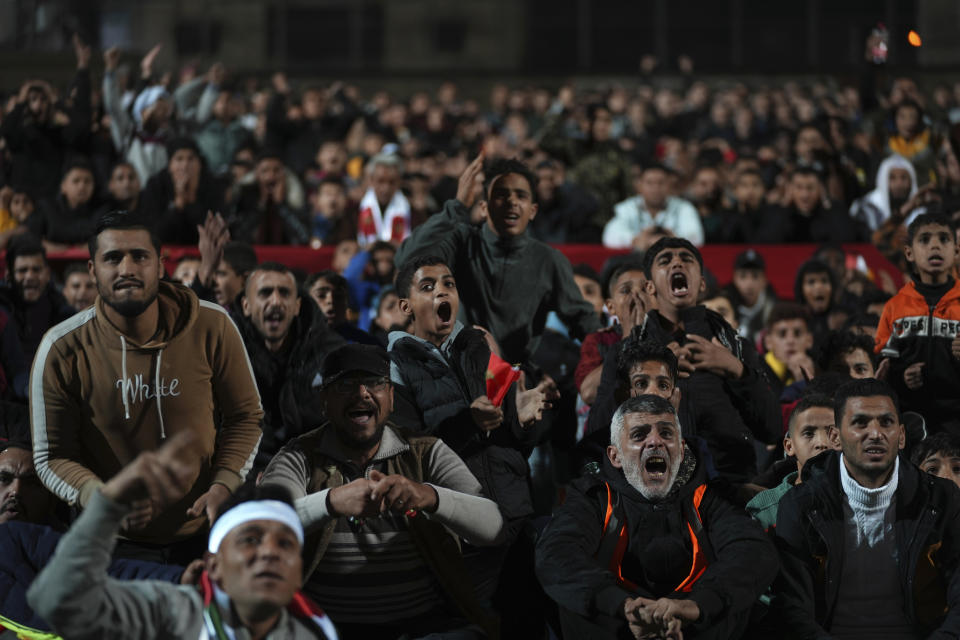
{"x":163,"y":433}
{"x":156,"y":382}
{"x":123,"y":372}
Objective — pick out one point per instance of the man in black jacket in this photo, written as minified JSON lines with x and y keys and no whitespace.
{"x":287,"y":339}
{"x":869,"y":544}
{"x":28,"y":296}
{"x":649,"y":545}
{"x":726,"y":399}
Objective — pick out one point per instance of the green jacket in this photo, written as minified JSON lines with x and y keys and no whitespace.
{"x":763,"y":506}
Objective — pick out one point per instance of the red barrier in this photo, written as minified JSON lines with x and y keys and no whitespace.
{"x":782,"y":260}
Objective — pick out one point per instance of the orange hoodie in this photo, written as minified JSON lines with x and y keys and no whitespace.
{"x":97,"y":399}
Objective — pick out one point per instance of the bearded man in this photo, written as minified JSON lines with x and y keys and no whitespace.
{"x":147,"y":361}
{"x":648,"y":547}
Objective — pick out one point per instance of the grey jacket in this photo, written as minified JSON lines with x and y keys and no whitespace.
{"x":74,"y":594}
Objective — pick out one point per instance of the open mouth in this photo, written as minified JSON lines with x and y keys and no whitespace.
{"x":935,"y":260}
{"x":120,"y":286}
{"x":875,"y":452}
{"x":274,"y":318}
{"x":444,"y":312}
{"x":361,"y":416}
{"x":656,"y":467}
{"x":678,"y":284}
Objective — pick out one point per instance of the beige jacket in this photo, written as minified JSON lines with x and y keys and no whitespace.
{"x":98,"y":399}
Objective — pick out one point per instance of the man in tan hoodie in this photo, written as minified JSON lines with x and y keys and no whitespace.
{"x":147,"y":361}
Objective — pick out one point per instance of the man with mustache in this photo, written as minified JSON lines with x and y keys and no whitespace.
{"x":252,"y":565}
{"x":28,"y":296}
{"x":287,"y":338}
{"x":146,"y":362}
{"x":649,"y":544}
{"x":383,"y":510}
{"x":868,"y":542}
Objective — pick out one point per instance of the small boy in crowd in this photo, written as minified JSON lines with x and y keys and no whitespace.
{"x":939,"y":455}
{"x":810,"y":431}
{"x":848,"y":353}
{"x":751,"y":293}
{"x":628,"y":301}
{"x":788,"y":340}
{"x":919,"y":330}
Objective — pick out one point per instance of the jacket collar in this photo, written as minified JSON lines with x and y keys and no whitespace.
{"x":502,"y":245}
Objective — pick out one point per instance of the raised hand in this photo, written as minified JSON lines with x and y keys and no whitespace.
{"x":146,"y":64}
{"x":82,"y":51}
{"x":111,"y":58}
{"x":213,"y":236}
{"x":471,"y":182}
{"x":533,"y":402}
{"x":162,"y":476}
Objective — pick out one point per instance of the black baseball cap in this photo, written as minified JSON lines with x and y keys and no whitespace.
{"x":749,"y":259}
{"x":349,"y":358}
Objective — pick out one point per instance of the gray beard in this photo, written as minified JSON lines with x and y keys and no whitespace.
{"x":632,"y":473}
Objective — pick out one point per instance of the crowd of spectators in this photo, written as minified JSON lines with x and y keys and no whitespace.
{"x":453,"y":432}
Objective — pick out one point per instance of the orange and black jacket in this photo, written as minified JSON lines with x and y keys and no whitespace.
{"x":912,"y":331}
{"x":810,"y":534}
{"x":607,"y":543}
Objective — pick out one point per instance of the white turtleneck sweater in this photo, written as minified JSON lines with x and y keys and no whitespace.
{"x":870,"y":602}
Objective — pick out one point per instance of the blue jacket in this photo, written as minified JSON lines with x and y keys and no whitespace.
{"x":25,"y":550}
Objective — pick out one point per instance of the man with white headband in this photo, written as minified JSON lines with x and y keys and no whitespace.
{"x":248,"y":590}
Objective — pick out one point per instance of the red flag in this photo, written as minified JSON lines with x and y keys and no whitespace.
{"x":500,"y":375}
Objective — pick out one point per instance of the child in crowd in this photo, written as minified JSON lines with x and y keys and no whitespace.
{"x":329,"y":290}
{"x":16,"y":206}
{"x":79,"y":289}
{"x":939,"y":455}
{"x":810,"y":431}
{"x":389,"y":317}
{"x":849,"y":353}
{"x":814,"y":287}
{"x":330,"y":220}
{"x":627,"y":300}
{"x":68,"y":219}
{"x":787,"y":341}
{"x":722,"y":304}
{"x":751,"y":293}
{"x":447,"y":384}
{"x":919,"y":332}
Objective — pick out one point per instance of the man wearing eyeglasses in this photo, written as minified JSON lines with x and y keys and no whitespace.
{"x":384,"y":512}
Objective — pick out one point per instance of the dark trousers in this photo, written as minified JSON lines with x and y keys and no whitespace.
{"x":182,"y":552}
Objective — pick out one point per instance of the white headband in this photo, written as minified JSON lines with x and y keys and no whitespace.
{"x":254,"y":510}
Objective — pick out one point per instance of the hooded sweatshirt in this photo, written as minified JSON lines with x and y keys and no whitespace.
{"x":874,"y":208}
{"x":98,"y":399}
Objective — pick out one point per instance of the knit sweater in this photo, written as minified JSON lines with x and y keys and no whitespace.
{"x":870,"y":602}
